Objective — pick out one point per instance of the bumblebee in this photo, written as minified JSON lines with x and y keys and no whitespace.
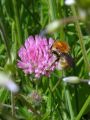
{"x":61,"y":50}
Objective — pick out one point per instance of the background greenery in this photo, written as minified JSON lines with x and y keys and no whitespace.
{"x":57,"y":100}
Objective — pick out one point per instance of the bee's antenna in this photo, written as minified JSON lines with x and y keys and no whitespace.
{"x":42,"y":33}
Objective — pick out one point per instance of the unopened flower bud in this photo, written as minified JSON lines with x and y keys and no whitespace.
{"x":52,"y":27}
{"x":88,"y":82}
{"x":7,"y":82}
{"x":71,"y":79}
{"x":89,"y":73}
{"x":69,"y":2}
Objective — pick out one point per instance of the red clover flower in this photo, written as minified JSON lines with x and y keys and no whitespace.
{"x":36,"y":56}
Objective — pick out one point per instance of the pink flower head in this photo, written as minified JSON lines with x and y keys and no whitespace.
{"x":36,"y":56}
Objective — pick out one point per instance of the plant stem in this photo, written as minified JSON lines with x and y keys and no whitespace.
{"x":55,"y":101}
{"x":79,"y":61}
{"x":76,"y":98}
{"x":69,"y":103}
{"x":83,"y":108}
{"x":56,"y":85}
{"x":8,"y":106}
{"x":17,"y":20}
{"x":84,"y":56}
{"x":12,"y":104}
{"x":80,"y":38}
{"x":4,"y":38}
{"x":53,"y":12}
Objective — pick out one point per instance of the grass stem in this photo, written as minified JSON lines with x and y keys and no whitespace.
{"x":83,"y":108}
{"x":69,"y":103}
{"x":12,"y":104}
{"x":77,"y":25}
{"x":17,"y":20}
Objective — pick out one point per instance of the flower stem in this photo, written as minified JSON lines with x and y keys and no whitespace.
{"x":83,"y":108}
{"x":76,"y":99}
{"x":56,"y":85}
{"x":55,"y":102}
{"x":8,"y":106}
{"x":84,"y":56}
{"x":53,"y":12}
{"x":69,"y":103}
{"x":12,"y":104}
{"x":80,"y":38}
{"x":17,"y":20}
{"x":4,"y":38}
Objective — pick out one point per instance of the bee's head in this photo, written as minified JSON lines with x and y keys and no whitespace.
{"x":60,"y":47}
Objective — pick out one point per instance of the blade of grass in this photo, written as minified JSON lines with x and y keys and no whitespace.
{"x":69,"y":104}
{"x":4,"y":38}
{"x":87,"y":102}
{"x":53,"y":12}
{"x":80,"y":38}
{"x":17,"y":20}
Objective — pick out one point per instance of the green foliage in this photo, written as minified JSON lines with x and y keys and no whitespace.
{"x":58,"y":100}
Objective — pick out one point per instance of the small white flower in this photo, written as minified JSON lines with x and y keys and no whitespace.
{"x":88,"y":82}
{"x":71,"y":79}
{"x":7,"y":82}
{"x":69,"y":2}
{"x":89,"y":73}
{"x":52,"y":27}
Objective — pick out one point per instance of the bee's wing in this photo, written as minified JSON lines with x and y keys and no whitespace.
{"x":69,"y":59}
